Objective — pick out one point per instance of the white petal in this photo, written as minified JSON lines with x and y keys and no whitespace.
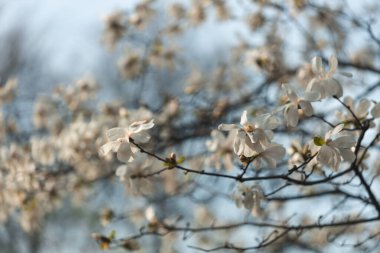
{"x":291,"y":115}
{"x":336,"y":159}
{"x":106,"y":148}
{"x":345,"y":141}
{"x":334,"y":131}
{"x":363,"y":107}
{"x":248,"y":150}
{"x":316,"y":65}
{"x":141,"y":137}
{"x":311,"y":96}
{"x":267,"y":121}
{"x":333,"y":64}
{"x":227,"y":127}
{"x":316,"y":87}
{"x":306,"y":107}
{"x":257,"y":163}
{"x":139,"y":126}
{"x":277,"y":152}
{"x":243,"y":119}
{"x":290,"y":92}
{"x":239,"y":143}
{"x":325,"y":155}
{"x":124,"y":154}
{"x":115,"y":133}
{"x":347,"y":155}
{"x":270,"y":161}
{"x":348,"y":101}
{"x":333,"y":87}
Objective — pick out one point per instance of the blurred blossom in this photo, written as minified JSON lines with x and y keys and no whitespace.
{"x":131,"y":65}
{"x":8,"y":91}
{"x":248,"y":196}
{"x":115,"y":28}
{"x":221,"y":147}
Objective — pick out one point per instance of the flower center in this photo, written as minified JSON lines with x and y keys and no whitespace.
{"x":249,"y":128}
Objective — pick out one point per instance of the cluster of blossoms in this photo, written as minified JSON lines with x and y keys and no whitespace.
{"x":65,"y":153}
{"x":253,"y":140}
{"x":119,"y":140}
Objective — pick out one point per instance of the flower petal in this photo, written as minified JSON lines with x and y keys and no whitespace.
{"x":347,"y":155}
{"x":124,"y":154}
{"x":243,"y":119}
{"x":291,"y":115}
{"x":239,"y":143}
{"x":316,"y":65}
{"x":290,"y":92}
{"x":307,"y":108}
{"x":345,"y":141}
{"x":227,"y":127}
{"x":106,"y":148}
{"x":333,"y":64}
{"x":115,"y":133}
{"x":141,"y":137}
{"x":139,"y":126}
{"x":363,"y":107}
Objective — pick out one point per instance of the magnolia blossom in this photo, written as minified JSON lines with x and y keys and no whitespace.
{"x":221,"y":147}
{"x":249,"y":197}
{"x":250,"y":137}
{"x":331,"y":150}
{"x":115,"y":28}
{"x":323,"y":83}
{"x":360,"y":109}
{"x":119,"y":140}
{"x":291,"y":110}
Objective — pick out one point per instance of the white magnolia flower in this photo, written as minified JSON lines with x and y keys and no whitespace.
{"x":323,"y":83}
{"x":248,"y":196}
{"x":131,"y":175}
{"x":119,"y":140}
{"x":291,"y":110}
{"x":331,"y":150}
{"x":221,"y":147}
{"x":360,"y":109}
{"x":250,"y":137}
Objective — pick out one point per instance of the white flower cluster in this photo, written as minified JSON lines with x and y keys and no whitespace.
{"x":119,"y":140}
{"x":254,"y":139}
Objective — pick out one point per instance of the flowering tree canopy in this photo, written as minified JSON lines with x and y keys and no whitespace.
{"x":270,"y":143}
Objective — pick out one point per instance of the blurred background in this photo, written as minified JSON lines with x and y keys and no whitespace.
{"x":47,"y":43}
